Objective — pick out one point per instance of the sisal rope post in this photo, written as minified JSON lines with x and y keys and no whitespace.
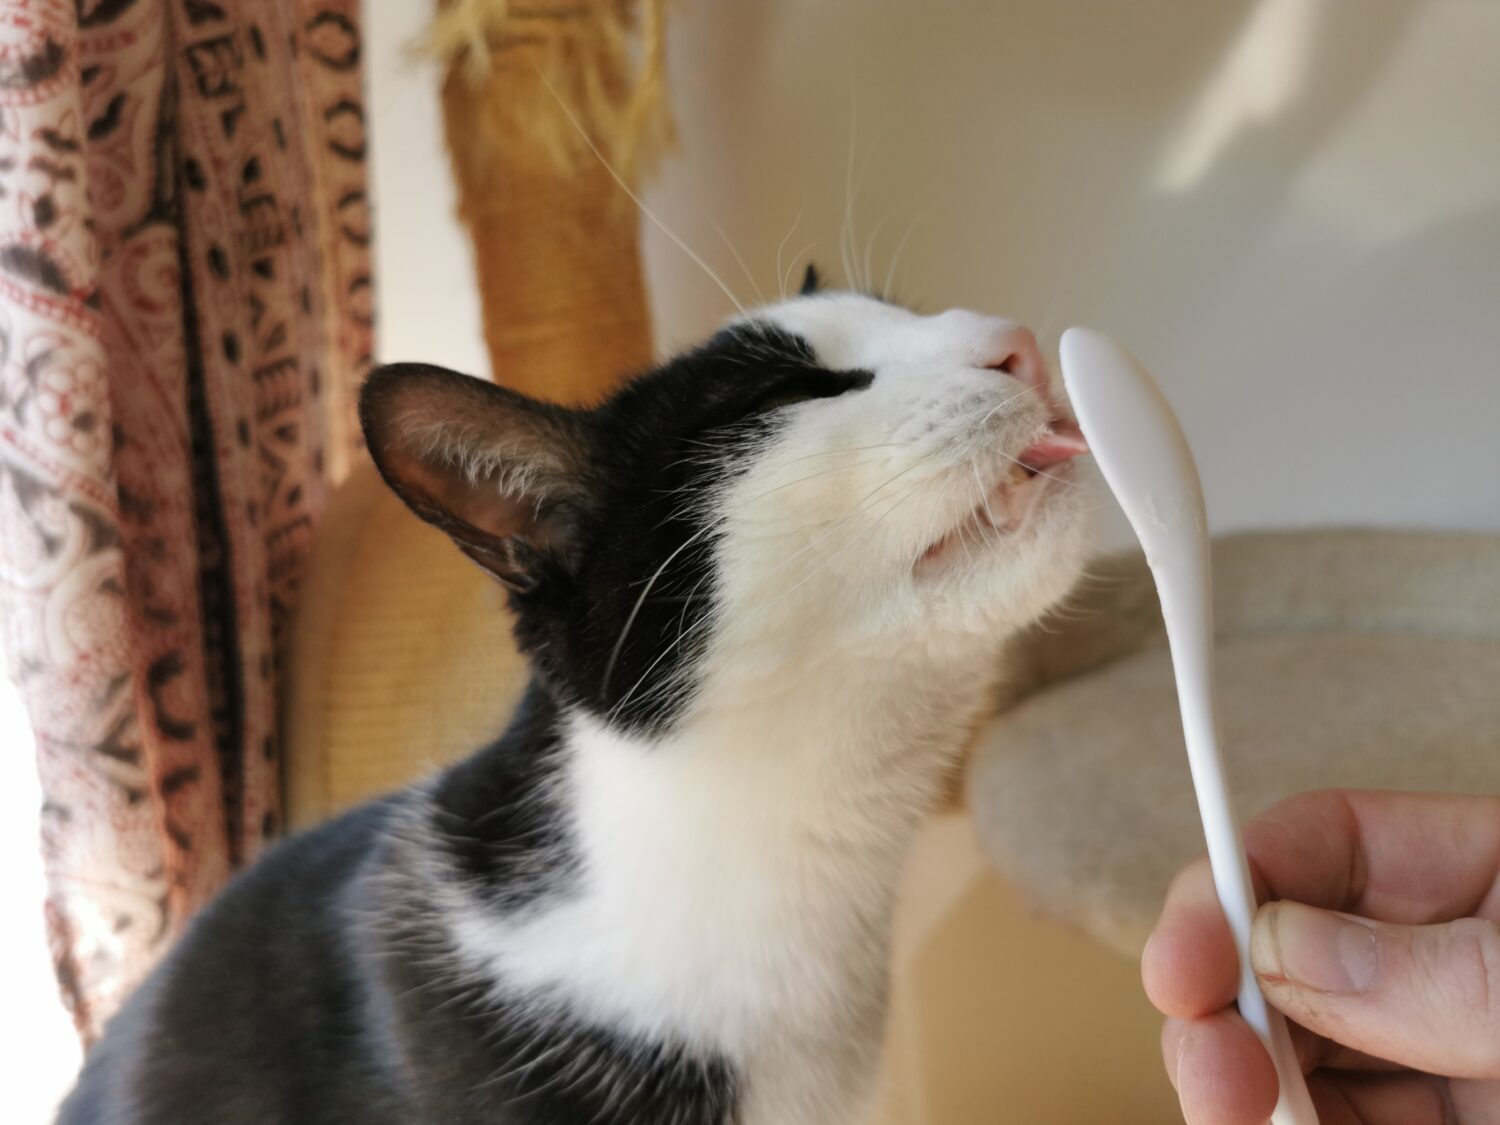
{"x":556,"y":239}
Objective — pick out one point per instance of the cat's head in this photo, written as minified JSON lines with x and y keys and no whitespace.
{"x":828,"y":478}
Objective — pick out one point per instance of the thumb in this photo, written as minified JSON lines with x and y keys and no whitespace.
{"x":1426,"y":997}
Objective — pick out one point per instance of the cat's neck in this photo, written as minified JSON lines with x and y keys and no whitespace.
{"x":734,"y":879}
{"x":776,"y":812}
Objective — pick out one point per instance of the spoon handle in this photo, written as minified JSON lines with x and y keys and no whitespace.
{"x":1187,"y":604}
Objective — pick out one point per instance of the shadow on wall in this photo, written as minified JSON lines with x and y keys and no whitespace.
{"x":890,"y":117}
{"x":1283,"y":120}
{"x":1285,"y":206}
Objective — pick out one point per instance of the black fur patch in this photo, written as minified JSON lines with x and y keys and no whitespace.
{"x":618,"y":636}
{"x":320,"y":989}
{"x":497,"y":812}
{"x":260,"y":1012}
{"x":525,"y":1060}
{"x":609,"y":565}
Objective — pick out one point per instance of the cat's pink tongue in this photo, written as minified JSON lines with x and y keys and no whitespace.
{"x":1063,"y":442}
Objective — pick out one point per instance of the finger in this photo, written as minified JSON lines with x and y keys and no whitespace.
{"x":1382,"y":1099}
{"x":1401,"y":857}
{"x":1189,"y":966}
{"x":1315,"y":1053}
{"x":1222,"y":1073}
{"x":1474,"y":1101}
{"x":1412,"y":858}
{"x":1427,"y":997}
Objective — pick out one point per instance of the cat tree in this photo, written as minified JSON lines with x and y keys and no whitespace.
{"x":544,"y":106}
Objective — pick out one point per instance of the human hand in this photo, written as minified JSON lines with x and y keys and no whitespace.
{"x":1379,"y":939}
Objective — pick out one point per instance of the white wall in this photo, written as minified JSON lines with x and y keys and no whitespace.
{"x":428,"y":306}
{"x":1289,"y":208}
{"x":36,"y":1033}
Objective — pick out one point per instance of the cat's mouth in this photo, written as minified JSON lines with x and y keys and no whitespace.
{"x":1008,"y":505}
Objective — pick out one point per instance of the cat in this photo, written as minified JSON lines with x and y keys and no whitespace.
{"x":761,"y":588}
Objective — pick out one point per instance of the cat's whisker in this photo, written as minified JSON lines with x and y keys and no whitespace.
{"x":1061,"y":289}
{"x":847,"y":241}
{"x":814,"y":476}
{"x":925,"y":284}
{"x":964,"y":528}
{"x":631,"y":193}
{"x":1104,"y":248}
{"x":780,"y":246}
{"x":1038,"y":472}
{"x":1059,"y":303}
{"x":857,"y":279}
{"x":845,"y":451}
{"x":870,"y":245}
{"x":687,"y":601}
{"x":911,"y":228}
{"x":1002,"y":404}
{"x":865,"y":501}
{"x":984,"y":493}
{"x":849,"y":179}
{"x":614,"y":654}
{"x":669,"y":684}
{"x":723,"y":454}
{"x":863,"y":534}
{"x":791,"y":268}
{"x":759,"y":296}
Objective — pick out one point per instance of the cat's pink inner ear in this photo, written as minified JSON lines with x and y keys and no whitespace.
{"x":475,"y":501}
{"x":486,"y":466}
{"x":502,"y":533}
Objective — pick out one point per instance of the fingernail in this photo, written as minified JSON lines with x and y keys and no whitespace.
{"x":1316,"y":949}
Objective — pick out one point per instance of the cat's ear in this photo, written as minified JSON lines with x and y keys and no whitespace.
{"x":505,"y":476}
{"x":811,"y":281}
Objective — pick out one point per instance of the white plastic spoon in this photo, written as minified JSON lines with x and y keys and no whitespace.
{"x":1146,"y":461}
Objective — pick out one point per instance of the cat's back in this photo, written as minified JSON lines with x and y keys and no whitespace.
{"x":264,"y":1005}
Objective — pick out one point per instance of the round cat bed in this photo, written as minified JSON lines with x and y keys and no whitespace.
{"x":1353,"y":659}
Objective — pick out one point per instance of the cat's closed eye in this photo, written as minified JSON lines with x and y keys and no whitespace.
{"x":793,"y":392}
{"x":786,"y":396}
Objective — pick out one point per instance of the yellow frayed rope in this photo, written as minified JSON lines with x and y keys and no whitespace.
{"x":583,"y":53}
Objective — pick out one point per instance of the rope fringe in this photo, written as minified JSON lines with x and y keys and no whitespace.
{"x":606,"y":60}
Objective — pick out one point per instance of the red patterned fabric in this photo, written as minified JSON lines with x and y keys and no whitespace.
{"x":184,"y":314}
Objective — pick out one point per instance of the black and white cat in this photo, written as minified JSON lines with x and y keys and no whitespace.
{"x":761,"y":588}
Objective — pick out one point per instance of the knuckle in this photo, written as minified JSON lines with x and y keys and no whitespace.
{"x":1465,"y":968}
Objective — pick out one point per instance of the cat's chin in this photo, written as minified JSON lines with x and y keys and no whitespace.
{"x":1009,"y":580}
{"x":1019,"y":508}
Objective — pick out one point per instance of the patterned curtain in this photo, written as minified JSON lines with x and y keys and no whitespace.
{"x":185,"y":313}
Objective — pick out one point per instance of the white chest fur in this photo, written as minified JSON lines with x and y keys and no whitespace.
{"x":736,"y":894}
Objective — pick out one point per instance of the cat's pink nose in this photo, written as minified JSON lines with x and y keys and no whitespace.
{"x":1017,"y":355}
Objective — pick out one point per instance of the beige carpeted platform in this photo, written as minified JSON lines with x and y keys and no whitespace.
{"x":1362,"y":659}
